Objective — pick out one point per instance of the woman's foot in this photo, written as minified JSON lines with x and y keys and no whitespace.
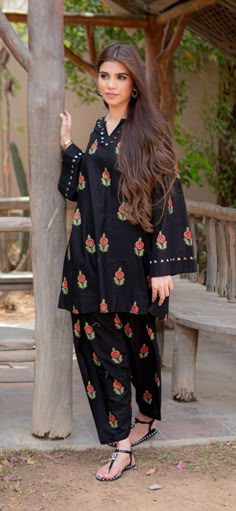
{"x":144,"y":428}
{"x":120,"y":461}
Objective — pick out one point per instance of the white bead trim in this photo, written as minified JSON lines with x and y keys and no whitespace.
{"x":172,"y":259}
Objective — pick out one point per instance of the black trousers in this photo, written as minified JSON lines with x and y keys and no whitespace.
{"x":113,"y":351}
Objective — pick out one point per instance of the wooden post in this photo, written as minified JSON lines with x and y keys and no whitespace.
{"x":52,"y":401}
{"x":184,"y":363}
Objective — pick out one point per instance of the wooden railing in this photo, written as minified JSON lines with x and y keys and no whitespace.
{"x":218,"y":225}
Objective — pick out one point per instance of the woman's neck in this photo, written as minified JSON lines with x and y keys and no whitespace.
{"x":115,"y":114}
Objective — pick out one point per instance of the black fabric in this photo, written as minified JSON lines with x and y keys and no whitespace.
{"x":112,"y":351}
{"x":109,"y":262}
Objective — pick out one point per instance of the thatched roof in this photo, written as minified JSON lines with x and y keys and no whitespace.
{"x":215,"y":21}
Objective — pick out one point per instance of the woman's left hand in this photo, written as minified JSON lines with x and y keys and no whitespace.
{"x":161,"y":286}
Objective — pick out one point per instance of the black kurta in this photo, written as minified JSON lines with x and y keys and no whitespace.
{"x":109,"y":262}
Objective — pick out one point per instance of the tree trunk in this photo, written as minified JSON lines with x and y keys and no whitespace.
{"x":52,"y":402}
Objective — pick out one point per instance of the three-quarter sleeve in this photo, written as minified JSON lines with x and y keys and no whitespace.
{"x":172,"y":250}
{"x":68,"y":182}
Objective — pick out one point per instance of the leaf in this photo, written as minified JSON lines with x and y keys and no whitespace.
{"x":151,"y":471}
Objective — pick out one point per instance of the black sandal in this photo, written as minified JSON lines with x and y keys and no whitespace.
{"x":151,"y":431}
{"x":114,"y":458}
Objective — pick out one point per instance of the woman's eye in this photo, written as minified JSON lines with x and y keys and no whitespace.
{"x":122,"y":77}
{"x":103,"y":76}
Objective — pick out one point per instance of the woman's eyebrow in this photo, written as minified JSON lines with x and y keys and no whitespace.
{"x":117,"y":74}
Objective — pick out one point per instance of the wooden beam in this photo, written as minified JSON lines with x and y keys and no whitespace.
{"x":83,"y":64}
{"x":15,"y":224}
{"x":9,"y":203}
{"x":91,"y":44}
{"x":206,"y":209}
{"x":100,"y":20}
{"x":183,"y":9}
{"x":132,"y":6}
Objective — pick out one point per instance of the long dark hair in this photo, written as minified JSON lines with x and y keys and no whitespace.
{"x":146,"y":161}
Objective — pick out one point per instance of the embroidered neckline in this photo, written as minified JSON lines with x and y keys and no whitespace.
{"x":104,"y":138}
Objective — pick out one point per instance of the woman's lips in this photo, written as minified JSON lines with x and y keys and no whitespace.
{"x":111,"y":95}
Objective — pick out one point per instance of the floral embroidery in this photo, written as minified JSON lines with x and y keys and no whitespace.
{"x":77,"y":217}
{"x":144,"y":351}
{"x":117,"y":322}
{"x":93,"y":147}
{"x":76,"y":329}
{"x":161,"y":241}
{"x":74,"y":310}
{"x":117,"y":149}
{"x":170,"y":205}
{"x":116,"y":356}
{"x":81,"y":182}
{"x":150,"y":333}
{"x":149,"y":280}
{"x":139,"y":247}
{"x":90,"y":334}
{"x":128,"y":330}
{"x":68,"y":252}
{"x":91,"y":391}
{"x":157,"y":380}
{"x":90,"y":245}
{"x":106,"y":177}
{"x":188,"y":237}
{"x":147,"y":397}
{"x":121,"y":213}
{"x":118,"y":387}
{"x":104,"y":243}
{"x":81,"y":280}
{"x":96,"y":361}
{"x":119,"y":278}
{"x":64,"y":286}
{"x":134,"y":308}
{"x":103,"y":306}
{"x":113,"y":421}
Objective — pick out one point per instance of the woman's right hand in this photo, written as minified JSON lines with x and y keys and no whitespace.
{"x":65,"y":134}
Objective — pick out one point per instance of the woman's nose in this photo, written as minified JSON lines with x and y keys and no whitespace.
{"x":111,"y":83}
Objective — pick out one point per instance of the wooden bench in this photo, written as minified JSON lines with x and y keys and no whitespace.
{"x":210,"y":308}
{"x":16,"y":344}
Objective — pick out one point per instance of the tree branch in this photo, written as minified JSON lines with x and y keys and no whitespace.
{"x":91,"y":44}
{"x":13,"y":43}
{"x":177,"y":35}
{"x":86,"y":66}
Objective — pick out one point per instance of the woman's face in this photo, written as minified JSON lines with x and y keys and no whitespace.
{"x":115,"y":83}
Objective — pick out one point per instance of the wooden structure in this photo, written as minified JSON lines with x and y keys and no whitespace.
{"x":164,"y":22}
{"x":193,"y":307}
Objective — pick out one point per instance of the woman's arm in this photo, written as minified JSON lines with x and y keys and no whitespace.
{"x":71,"y":160}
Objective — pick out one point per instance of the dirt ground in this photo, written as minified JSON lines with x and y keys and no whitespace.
{"x":191,"y":478}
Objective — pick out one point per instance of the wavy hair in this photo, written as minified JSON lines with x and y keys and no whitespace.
{"x":147,"y":161}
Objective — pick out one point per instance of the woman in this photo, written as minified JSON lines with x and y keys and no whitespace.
{"x":129,"y":235}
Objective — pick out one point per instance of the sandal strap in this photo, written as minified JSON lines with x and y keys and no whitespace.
{"x":150,"y":423}
{"x":114,"y":456}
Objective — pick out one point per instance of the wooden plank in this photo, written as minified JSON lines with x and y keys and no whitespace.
{"x":192,"y":306}
{"x":222,"y":272}
{"x":16,"y":203}
{"x":211,"y":254}
{"x":17,"y":356}
{"x":231,"y":257}
{"x":205,"y":209}
{"x":16,"y":280}
{"x":15,"y":224}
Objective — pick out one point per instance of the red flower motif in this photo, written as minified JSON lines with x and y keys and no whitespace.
{"x":88,"y":329}
{"x":161,"y":238}
{"x":119,"y":274}
{"x":77,"y":326}
{"x":139,"y":245}
{"x":117,"y":384}
{"x":64,"y":284}
{"x":75,"y":311}
{"x":81,"y":179}
{"x":147,"y":395}
{"x":134,"y":309}
{"x":90,"y":388}
{"x":127,"y":329}
{"x":117,"y":320}
{"x":77,"y":215}
{"x":95,"y":357}
{"x":115,"y":354}
{"x":149,"y":331}
{"x":81,"y":277}
{"x":112,"y":417}
{"x":144,"y":349}
{"x":103,"y":306}
{"x":89,"y":242}
{"x":106,"y":175}
{"x":149,"y":280}
{"x":188,"y":235}
{"x":104,"y":241}
{"x":122,"y":209}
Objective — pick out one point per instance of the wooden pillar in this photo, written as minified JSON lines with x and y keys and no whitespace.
{"x":184,"y":363}
{"x":52,"y":401}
